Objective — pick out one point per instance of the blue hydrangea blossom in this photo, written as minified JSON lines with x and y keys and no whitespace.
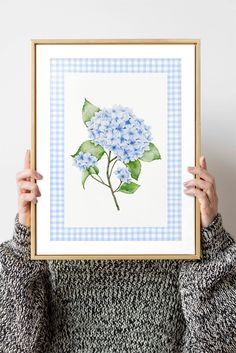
{"x":120,"y":131}
{"x":84,"y":160}
{"x":123,"y":174}
{"x":116,"y":135}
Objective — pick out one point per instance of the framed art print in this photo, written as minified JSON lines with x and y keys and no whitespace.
{"x":115,"y":124}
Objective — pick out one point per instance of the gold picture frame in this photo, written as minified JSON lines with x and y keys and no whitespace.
{"x":36,"y":43}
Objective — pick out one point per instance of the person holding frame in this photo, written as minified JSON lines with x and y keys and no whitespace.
{"x":119,"y":305}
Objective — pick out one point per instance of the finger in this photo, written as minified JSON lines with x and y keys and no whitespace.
{"x":204,"y":174}
{"x":24,"y":186}
{"x":25,"y":198}
{"x":27,"y":161}
{"x":203,"y":185}
{"x":28,"y":173}
{"x":200,"y":183}
{"x":201,"y":195}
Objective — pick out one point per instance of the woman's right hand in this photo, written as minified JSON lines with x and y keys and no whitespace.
{"x":27,"y":190}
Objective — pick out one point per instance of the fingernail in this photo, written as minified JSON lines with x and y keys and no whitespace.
{"x":39,"y":175}
{"x":190,"y":168}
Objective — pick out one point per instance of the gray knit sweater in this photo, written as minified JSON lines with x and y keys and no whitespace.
{"x":109,"y":306}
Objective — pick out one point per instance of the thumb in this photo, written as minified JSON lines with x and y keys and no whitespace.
{"x":27,"y":159}
{"x":203,"y":163}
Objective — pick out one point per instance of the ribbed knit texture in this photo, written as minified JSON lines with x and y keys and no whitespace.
{"x":119,"y":306}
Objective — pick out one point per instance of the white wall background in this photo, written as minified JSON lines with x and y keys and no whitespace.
{"x":212,"y":21}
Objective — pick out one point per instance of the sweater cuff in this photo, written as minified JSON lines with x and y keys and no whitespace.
{"x":214,"y":237}
{"x":22,"y":233}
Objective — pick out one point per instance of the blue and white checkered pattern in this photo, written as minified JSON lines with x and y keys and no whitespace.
{"x":60,"y":66}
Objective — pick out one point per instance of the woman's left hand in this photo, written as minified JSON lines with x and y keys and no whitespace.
{"x":205,"y":190}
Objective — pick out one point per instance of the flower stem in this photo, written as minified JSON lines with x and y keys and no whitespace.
{"x":116,"y":160}
{"x":109,"y":182}
{"x":100,"y":181}
{"x":113,"y":159}
{"x":118,"y":187}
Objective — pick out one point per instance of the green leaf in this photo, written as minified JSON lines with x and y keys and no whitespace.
{"x":85,"y":175}
{"x":88,"y":146}
{"x":93,"y":170}
{"x":87,"y":172}
{"x":135,"y":168}
{"x":88,"y":110}
{"x":151,"y":154}
{"x":128,"y":188}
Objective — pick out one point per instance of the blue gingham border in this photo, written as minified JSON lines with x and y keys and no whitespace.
{"x":60,"y":66}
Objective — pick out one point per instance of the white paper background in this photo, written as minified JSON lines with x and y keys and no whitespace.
{"x":146,"y":95}
{"x":44,"y":53}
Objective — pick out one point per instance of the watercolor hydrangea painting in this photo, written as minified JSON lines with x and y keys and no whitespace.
{"x":121,"y":137}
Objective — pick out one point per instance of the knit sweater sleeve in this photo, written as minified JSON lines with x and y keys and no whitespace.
{"x":24,"y":288}
{"x":208,"y":293}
